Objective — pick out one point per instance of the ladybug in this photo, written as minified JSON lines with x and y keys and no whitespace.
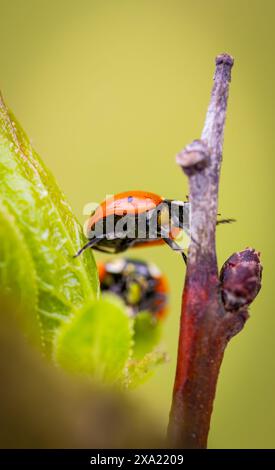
{"x":141,"y":285}
{"x":137,"y":218}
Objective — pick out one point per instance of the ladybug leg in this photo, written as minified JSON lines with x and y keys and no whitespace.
{"x":172,"y":244}
{"x":175,"y":247}
{"x":126,"y":244}
{"x":184,"y":257}
{"x":118,"y":245}
{"x":88,"y":245}
{"x":123,"y":245}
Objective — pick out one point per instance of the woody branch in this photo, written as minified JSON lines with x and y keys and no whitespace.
{"x":214,"y":308}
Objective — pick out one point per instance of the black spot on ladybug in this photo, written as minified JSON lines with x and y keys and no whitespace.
{"x":130,"y":198}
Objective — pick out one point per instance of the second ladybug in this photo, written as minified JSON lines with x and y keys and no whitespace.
{"x":140,"y":285}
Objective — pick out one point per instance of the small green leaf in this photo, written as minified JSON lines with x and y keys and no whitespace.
{"x":147,"y":332}
{"x":97,"y":342}
{"x":48,"y":226}
{"x":138,"y":371}
{"x":17,"y":274}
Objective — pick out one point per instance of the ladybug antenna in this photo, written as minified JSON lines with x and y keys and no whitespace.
{"x":225,"y":221}
{"x":88,"y":245}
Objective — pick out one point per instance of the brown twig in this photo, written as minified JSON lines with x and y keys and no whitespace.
{"x":213,"y":309}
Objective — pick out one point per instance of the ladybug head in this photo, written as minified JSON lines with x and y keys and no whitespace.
{"x":179,"y":213}
{"x":179,"y":224}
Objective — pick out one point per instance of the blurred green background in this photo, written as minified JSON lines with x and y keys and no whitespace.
{"x":109,"y":91}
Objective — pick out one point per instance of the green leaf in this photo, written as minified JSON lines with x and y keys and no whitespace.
{"x":138,"y":371}
{"x":49,"y":228}
{"x":17,"y":275}
{"x":147,"y":332}
{"x":38,"y":238}
{"x":97,"y":342}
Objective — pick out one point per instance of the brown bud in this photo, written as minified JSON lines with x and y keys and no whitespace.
{"x":241,"y":279}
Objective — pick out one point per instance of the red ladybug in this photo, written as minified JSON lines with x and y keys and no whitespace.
{"x":149,"y":219}
{"x":141,"y":285}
